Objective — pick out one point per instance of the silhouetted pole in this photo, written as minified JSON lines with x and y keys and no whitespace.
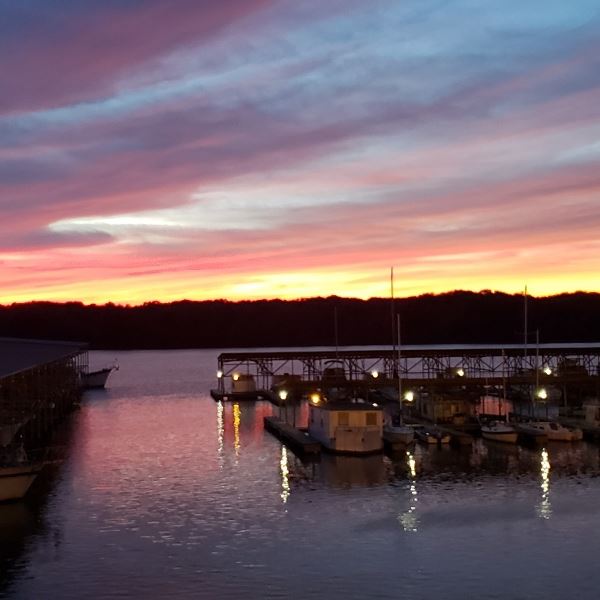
{"x":392,"y":311}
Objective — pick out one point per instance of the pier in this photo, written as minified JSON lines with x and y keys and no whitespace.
{"x":435,"y":368}
{"x":40,"y":382}
{"x":297,"y":439}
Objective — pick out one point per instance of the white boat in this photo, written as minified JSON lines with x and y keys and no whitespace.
{"x":97,"y":379}
{"x":16,"y":480}
{"x":402,"y":434}
{"x":499,"y":431}
{"x":557,"y":432}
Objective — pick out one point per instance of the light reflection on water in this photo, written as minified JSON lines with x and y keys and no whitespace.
{"x":285,"y":481}
{"x":409,"y":519}
{"x":544,"y":508}
{"x":165,"y":493}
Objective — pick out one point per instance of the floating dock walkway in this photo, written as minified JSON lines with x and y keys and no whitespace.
{"x":223,"y":396}
{"x":291,"y":436}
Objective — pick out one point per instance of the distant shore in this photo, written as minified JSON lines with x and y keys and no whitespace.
{"x":454,"y":317}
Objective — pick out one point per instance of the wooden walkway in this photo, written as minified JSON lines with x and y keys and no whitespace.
{"x":291,"y":436}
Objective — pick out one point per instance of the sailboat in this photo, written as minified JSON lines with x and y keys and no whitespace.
{"x":497,"y":427}
{"x":551,"y":429}
{"x":499,"y":431}
{"x":395,"y":430}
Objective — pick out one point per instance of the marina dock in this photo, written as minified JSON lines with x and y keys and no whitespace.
{"x":441,"y":368}
{"x":293,"y":437}
{"x":40,"y":382}
{"x":256,"y":395}
{"x":459,"y":437}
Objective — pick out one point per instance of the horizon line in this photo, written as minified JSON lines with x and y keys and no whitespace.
{"x":483,"y":292}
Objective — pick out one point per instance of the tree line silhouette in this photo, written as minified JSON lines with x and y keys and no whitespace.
{"x":454,"y":317}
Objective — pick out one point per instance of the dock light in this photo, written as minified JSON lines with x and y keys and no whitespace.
{"x":219,"y":374}
{"x":374,"y":374}
{"x":409,"y":396}
{"x":375,"y":404}
{"x":460,"y":372}
{"x":315,"y":398}
{"x":547,"y":370}
{"x":283,"y":394}
{"x":236,"y":376}
{"x":542,"y":394}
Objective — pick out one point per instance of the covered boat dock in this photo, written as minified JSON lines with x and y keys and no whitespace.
{"x":40,"y":381}
{"x":439,"y":368}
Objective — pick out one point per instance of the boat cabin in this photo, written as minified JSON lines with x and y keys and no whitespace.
{"x":444,"y":409}
{"x":243,"y":383}
{"x":347,"y":427}
{"x":333,"y":372}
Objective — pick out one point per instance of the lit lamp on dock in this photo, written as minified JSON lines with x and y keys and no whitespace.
{"x":315,"y":397}
{"x":460,"y":372}
{"x":283,"y":394}
{"x":219,"y":374}
{"x":542,"y":394}
{"x":547,"y":370}
{"x":374,"y":373}
{"x":409,"y":396}
{"x":236,"y":376}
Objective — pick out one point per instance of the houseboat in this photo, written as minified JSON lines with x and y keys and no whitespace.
{"x":347,"y":427}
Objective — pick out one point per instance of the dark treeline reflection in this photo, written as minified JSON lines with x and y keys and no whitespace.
{"x":455,"y":317}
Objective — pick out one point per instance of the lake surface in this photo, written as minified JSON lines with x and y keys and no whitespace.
{"x":164,"y":493}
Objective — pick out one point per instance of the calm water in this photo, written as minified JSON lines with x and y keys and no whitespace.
{"x":164,"y":493}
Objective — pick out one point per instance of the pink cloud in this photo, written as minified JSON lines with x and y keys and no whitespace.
{"x":75,"y":56}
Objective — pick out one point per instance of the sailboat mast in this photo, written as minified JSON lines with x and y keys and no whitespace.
{"x":537,"y":357}
{"x":399,"y":373}
{"x":525,"y":322}
{"x":503,"y":384}
{"x":392,"y":311}
{"x":335,"y":331}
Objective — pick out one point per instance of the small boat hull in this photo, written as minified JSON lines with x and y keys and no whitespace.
{"x":96,"y":379}
{"x":507,"y":437}
{"x":531,"y":435}
{"x":16,"y":481}
{"x":399,"y":435}
{"x":432,"y":437}
{"x":557,"y":432}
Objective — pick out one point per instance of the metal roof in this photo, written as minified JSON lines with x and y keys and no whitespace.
{"x":17,"y":355}
{"x":558,"y":348}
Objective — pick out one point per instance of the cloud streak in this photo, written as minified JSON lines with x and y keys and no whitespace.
{"x":206,"y":149}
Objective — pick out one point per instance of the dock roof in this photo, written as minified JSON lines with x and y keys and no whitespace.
{"x":18,"y":355}
{"x":329,"y":353}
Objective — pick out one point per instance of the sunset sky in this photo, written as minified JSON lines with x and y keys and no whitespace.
{"x":160,"y":150}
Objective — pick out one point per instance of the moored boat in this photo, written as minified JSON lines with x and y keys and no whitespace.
{"x":97,"y":379}
{"x":530,"y":434}
{"x":499,"y":431}
{"x":15,"y":480}
{"x":346,"y":427}
{"x":557,"y":432}
{"x":402,"y":434}
{"x":431,"y":435}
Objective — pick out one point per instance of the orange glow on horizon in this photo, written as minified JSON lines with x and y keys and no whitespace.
{"x":294,"y":286}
